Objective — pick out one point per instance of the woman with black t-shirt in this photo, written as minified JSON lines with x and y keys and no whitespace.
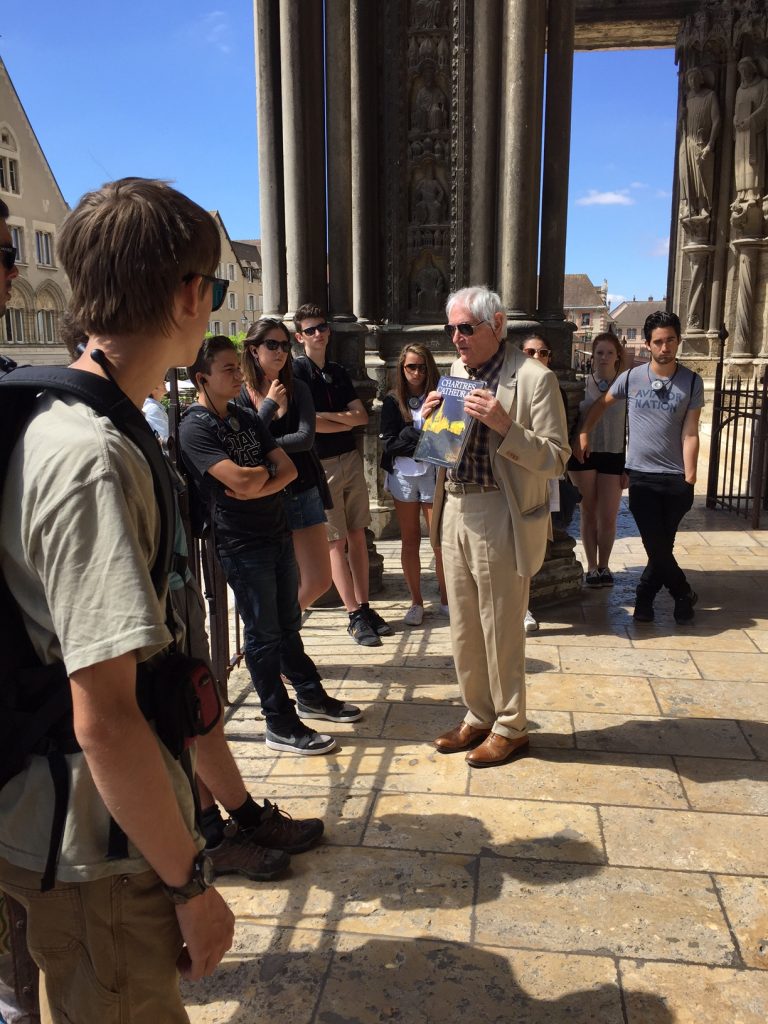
{"x":285,"y":407}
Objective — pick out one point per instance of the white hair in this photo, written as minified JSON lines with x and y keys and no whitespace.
{"x":481,"y":302}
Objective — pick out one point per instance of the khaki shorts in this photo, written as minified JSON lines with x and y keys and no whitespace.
{"x":107,"y":949}
{"x":346,"y":482}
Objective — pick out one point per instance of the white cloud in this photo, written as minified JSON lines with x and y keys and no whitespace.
{"x":661,"y":247}
{"x":214,"y":29}
{"x":595,"y":198}
{"x":662,"y":193}
{"x":638,"y":184}
{"x":615,"y":300}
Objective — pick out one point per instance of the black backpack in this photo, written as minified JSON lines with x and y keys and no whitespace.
{"x":35,"y":699}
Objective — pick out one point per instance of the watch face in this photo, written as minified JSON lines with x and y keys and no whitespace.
{"x":206,"y":870}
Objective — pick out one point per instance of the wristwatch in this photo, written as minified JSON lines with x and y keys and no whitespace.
{"x":271,"y":468}
{"x":203,"y":877}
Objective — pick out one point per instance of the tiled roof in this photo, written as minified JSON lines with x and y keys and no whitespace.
{"x":580,"y":293}
{"x":633,"y":314}
{"x":249,"y":251}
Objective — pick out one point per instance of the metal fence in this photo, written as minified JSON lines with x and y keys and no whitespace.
{"x":738,"y":457}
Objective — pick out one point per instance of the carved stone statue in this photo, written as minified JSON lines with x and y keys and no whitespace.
{"x":699,"y":128}
{"x":429,"y":202}
{"x":428,"y":14}
{"x":429,"y":288}
{"x":430,"y":106}
{"x":750,"y":121}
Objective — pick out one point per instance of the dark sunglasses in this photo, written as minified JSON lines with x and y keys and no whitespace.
{"x":309,"y":331}
{"x":219,"y":285}
{"x":273,"y":346}
{"x":415,"y":367}
{"x":533,"y":352}
{"x":465,"y":330}
{"x":8,"y":256}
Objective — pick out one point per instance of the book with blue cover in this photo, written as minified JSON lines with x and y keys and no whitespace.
{"x":445,"y":433}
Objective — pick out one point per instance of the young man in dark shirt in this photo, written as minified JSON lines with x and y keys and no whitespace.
{"x":240,"y":474}
{"x":339,"y":411}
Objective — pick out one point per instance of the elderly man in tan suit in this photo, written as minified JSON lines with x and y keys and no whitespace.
{"x":491,"y":518}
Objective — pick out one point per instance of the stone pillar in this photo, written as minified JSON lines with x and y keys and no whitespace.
{"x":337,"y":42}
{"x":557,"y":148}
{"x":720,"y":256}
{"x":486,"y":118}
{"x":362,"y":148}
{"x":269,"y":123}
{"x":519,"y":172}
{"x":747,"y":260}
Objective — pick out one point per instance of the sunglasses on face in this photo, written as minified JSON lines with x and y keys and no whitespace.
{"x":542,"y":353}
{"x":273,"y":345}
{"x":8,"y":256}
{"x":465,"y":330}
{"x":320,"y":328}
{"x":415,"y":367}
{"x":219,"y":286}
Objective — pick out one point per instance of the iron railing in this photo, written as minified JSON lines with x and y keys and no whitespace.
{"x":738,"y":459}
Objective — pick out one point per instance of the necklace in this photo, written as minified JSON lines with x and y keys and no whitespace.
{"x":662,"y":385}
{"x":602,"y":385}
{"x":416,"y":401}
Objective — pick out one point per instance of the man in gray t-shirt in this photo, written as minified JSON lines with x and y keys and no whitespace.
{"x":664,"y":402}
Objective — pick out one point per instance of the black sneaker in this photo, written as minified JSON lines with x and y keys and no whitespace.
{"x":239,"y":854}
{"x":684,"y":607}
{"x":361,"y":631}
{"x":643,"y":610}
{"x":606,"y":577}
{"x":330,"y":710}
{"x":301,"y":740}
{"x":378,"y":625}
{"x":592,"y":578}
{"x":277,"y":830}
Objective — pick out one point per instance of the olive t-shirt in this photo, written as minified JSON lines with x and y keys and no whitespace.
{"x":78,"y":536}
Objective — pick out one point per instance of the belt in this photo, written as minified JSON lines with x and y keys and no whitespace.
{"x":454,"y":487}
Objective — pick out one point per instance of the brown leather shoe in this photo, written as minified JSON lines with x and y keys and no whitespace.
{"x":460,"y":738}
{"x":496,"y":749}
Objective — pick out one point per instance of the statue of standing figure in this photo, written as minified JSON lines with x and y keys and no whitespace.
{"x":750,"y":121}
{"x":699,"y":128}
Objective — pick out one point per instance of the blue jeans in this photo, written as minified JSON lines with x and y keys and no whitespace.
{"x":265,"y":583}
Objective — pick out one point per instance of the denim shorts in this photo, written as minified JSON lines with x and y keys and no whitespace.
{"x":304,"y":509}
{"x":412,"y":488}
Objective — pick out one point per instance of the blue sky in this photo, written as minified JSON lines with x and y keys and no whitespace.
{"x":166,"y":89}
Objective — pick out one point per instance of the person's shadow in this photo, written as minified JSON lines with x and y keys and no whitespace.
{"x":300,"y":971}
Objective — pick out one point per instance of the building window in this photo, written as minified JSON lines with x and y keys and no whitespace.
{"x":631,"y":334}
{"x":44,"y":248}
{"x":14,"y":325}
{"x":17,"y":240}
{"x":231,"y":301}
{"x":250,"y":303}
{"x":9,"y":174}
{"x":586,"y":319}
{"x":46,"y":325}
{"x":217,"y":326}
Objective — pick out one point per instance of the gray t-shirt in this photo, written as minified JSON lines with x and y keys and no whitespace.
{"x":655,"y":418}
{"x":78,"y":535}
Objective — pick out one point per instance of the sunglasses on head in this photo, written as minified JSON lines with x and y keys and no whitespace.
{"x":8,"y":256}
{"x":465,"y":330}
{"x":219,"y":286}
{"x":273,"y":345}
{"x":541,"y":352}
{"x":320,"y":328}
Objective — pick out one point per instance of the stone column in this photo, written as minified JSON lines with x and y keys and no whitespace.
{"x":486,"y":118}
{"x":722,"y":225}
{"x":557,"y":148}
{"x":337,"y":42}
{"x":362,"y":147}
{"x":269,"y":123}
{"x":747,"y":257}
{"x":519,"y":171}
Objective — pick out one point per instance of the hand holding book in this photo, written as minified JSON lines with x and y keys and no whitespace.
{"x":484,"y":406}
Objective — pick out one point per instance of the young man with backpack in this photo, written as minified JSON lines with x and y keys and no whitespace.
{"x":79,"y":537}
{"x":664,"y":401}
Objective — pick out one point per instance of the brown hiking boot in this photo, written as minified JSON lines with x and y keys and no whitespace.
{"x":238,"y":854}
{"x":277,"y":830}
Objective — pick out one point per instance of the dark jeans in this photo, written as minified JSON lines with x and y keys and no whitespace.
{"x":658,"y":501}
{"x":264,"y":581}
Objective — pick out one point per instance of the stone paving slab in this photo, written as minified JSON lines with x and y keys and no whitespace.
{"x":617,"y":874}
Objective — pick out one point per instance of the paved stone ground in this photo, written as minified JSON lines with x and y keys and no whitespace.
{"x":618,"y":874}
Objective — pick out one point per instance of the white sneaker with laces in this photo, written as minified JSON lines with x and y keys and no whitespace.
{"x":530,"y":624}
{"x":414,"y":616}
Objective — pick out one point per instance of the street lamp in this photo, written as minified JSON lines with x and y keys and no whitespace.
{"x":244,"y":321}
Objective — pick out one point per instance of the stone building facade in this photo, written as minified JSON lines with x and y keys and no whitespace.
{"x":29,"y":332}
{"x":240,"y":264}
{"x":719,"y":267}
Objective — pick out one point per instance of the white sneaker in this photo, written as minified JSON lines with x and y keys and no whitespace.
{"x":530,"y":624}
{"x":445,"y":611}
{"x":414,"y":616}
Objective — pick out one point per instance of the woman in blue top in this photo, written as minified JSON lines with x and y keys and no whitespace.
{"x":285,"y":407}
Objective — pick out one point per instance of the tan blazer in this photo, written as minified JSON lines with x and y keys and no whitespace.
{"x":534,"y":451}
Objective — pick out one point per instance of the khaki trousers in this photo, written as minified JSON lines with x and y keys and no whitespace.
{"x":488,"y":601}
{"x":106,"y":949}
